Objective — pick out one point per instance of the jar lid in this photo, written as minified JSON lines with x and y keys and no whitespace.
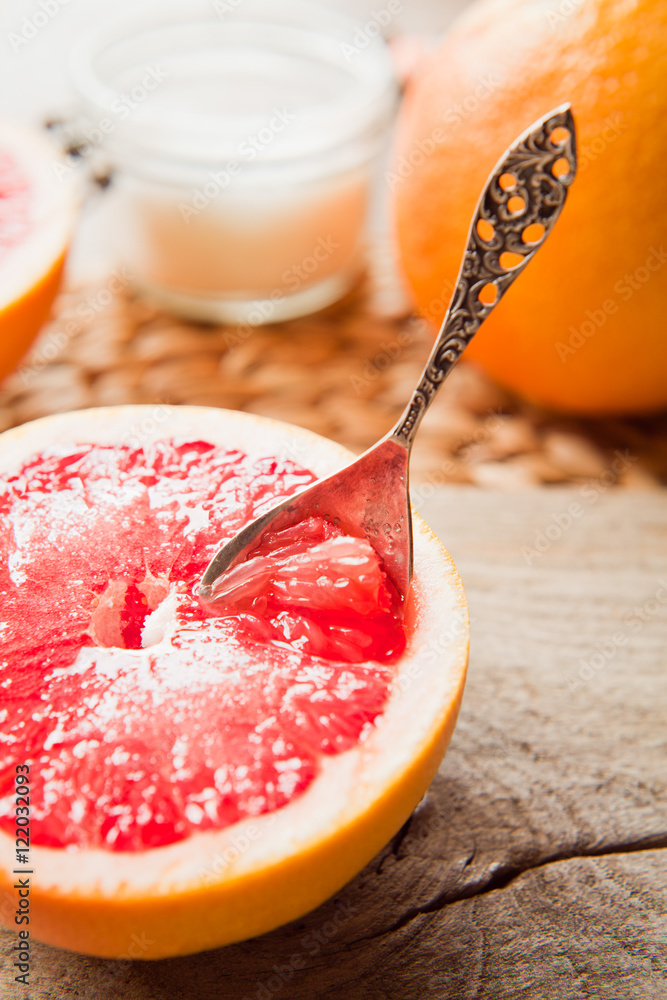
{"x":249,"y":81}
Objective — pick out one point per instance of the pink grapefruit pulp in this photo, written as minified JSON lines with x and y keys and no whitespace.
{"x":304,"y":724}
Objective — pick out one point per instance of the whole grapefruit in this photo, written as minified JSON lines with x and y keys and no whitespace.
{"x":583,"y":330}
{"x":186,"y":780}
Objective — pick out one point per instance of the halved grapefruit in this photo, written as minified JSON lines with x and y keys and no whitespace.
{"x":37,"y":212}
{"x":199,"y":780}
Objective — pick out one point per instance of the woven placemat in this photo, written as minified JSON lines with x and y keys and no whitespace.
{"x":345,"y":373}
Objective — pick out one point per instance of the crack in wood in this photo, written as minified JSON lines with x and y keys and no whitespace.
{"x":471,"y":857}
{"x":394,"y":845}
{"x":504,"y":873}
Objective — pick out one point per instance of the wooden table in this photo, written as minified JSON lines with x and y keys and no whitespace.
{"x":536,"y":866}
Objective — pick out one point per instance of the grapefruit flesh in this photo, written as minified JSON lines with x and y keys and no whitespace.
{"x":196,"y":779}
{"x":37,"y":212}
{"x":225,"y":718}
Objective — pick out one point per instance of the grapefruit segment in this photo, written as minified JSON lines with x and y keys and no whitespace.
{"x":323,"y":571}
{"x":210,"y":777}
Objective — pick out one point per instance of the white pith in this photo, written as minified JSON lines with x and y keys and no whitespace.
{"x":51,"y":213}
{"x":428,"y":677}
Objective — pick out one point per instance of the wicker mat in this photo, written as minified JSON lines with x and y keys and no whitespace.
{"x":345,"y":373}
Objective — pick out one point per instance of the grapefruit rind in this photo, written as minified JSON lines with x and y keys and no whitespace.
{"x":217,"y":887}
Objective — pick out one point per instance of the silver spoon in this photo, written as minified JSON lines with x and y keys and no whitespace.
{"x":527,"y":188}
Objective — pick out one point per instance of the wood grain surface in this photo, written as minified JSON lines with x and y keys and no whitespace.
{"x":536,"y":866}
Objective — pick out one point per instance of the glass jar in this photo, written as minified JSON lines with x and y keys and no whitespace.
{"x":243,"y":137}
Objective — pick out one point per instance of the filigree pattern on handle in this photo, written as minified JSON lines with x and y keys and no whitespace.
{"x":526,"y":189}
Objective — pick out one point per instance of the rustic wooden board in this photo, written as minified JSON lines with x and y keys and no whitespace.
{"x":537,"y":865}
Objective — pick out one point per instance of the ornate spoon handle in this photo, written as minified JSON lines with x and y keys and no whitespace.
{"x":517,"y":210}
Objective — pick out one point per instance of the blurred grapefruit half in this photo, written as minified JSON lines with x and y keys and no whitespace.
{"x":37,"y":213}
{"x":196,"y":781}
